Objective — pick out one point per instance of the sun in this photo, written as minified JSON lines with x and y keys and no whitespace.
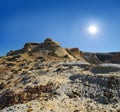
{"x":93,"y":29}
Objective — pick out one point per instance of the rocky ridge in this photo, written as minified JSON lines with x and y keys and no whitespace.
{"x":44,"y":77}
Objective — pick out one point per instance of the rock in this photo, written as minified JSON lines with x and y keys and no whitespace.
{"x":2,"y":85}
{"x":105,"y":68}
{"x":47,"y":77}
{"x":48,"y":40}
{"x":98,"y":58}
{"x":30,"y":46}
{"x":76,"y":53}
{"x":10,"y":53}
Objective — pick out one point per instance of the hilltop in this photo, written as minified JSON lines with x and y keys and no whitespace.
{"x":45,"y":77}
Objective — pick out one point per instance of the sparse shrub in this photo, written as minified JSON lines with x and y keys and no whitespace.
{"x":66,"y":56}
{"x":2,"y":85}
{"x":29,"y":110}
{"x":118,"y":110}
{"x":27,"y":67}
{"x":10,"y":98}
{"x":16,"y":71}
{"x":41,"y":57}
{"x":11,"y":59}
{"x":30,"y":54}
{"x":10,"y":64}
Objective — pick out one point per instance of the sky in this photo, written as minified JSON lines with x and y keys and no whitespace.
{"x":65,"y":21}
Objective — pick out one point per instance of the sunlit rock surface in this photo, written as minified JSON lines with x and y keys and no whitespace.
{"x":44,"y":77}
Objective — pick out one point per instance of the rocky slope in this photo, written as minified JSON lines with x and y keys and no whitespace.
{"x":44,"y":77}
{"x":97,"y":58}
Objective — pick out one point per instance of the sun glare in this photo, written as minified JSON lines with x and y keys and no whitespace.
{"x":93,"y":29}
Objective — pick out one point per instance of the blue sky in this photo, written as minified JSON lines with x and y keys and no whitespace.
{"x":65,"y":21}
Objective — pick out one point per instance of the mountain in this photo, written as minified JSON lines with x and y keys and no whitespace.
{"x":45,"y":77}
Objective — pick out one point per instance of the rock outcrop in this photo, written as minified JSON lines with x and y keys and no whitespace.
{"x":49,"y":48}
{"x":45,"y":77}
{"x":97,"y":58}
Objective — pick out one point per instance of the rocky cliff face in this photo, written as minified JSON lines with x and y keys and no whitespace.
{"x":44,"y":77}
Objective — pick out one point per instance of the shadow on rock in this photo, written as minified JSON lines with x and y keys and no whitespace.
{"x":102,"y":89}
{"x":101,"y":69}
